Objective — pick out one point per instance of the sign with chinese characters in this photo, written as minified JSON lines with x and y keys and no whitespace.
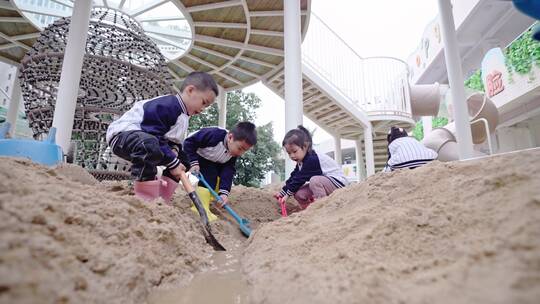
{"x":504,"y":88}
{"x":494,"y":83}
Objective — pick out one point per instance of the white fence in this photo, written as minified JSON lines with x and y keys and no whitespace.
{"x":378,"y":85}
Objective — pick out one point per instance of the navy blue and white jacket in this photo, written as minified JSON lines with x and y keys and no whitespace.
{"x":166,"y":117}
{"x":407,"y":152}
{"x":211,"y":144}
{"x":314,"y":164}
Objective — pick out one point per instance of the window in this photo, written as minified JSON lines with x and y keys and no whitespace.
{"x":7,"y":89}
{"x":9,"y":76}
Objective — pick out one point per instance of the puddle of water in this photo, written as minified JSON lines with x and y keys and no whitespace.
{"x":221,"y":284}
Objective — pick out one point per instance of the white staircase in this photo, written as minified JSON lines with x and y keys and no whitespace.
{"x":346,"y":94}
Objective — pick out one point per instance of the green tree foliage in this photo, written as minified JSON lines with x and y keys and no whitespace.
{"x":240,"y":107}
{"x":436,"y":122}
{"x":418,"y":131}
{"x":522,"y":54}
{"x":253,"y":165}
{"x":475,"y":81}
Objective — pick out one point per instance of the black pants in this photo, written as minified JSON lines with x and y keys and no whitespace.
{"x":210,"y":170}
{"x":143,"y":151}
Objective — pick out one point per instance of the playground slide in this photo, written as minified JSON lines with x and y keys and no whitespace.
{"x":425,"y":100}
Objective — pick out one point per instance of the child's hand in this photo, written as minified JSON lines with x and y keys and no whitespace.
{"x":195,"y":170}
{"x":224,"y":200}
{"x":177,"y":171}
{"x":277,"y":195}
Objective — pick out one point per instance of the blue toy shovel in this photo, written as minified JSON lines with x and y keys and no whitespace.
{"x":242,"y":222}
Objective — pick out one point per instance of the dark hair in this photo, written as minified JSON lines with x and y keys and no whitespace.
{"x":245,"y":131}
{"x":300,"y":137}
{"x":396,"y":133}
{"x":202,"y":81}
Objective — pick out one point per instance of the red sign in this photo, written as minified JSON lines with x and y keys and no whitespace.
{"x":494,"y":83}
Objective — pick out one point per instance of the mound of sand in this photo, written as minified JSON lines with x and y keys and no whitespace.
{"x":462,"y":232}
{"x":66,"y":238}
{"x":258,"y":205}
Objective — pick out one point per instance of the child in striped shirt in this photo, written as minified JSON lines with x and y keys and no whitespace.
{"x":405,"y":151}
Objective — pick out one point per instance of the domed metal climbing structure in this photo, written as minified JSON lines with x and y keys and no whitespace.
{"x":121,"y":65}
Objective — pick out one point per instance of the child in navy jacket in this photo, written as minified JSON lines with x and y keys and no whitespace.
{"x":150,"y":134}
{"x":320,"y":170}
{"x":213,"y":151}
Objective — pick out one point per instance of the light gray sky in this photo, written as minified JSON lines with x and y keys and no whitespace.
{"x":372,"y":28}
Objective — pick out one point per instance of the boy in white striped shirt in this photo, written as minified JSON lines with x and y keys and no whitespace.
{"x":405,"y":151}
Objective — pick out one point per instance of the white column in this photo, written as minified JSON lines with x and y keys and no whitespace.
{"x":427,"y":124}
{"x":338,"y":156}
{"x":14,"y":104}
{"x":360,"y":166}
{"x":64,"y":110}
{"x":455,"y":78}
{"x":222,"y":107}
{"x":370,"y":158}
{"x":293,"y":69}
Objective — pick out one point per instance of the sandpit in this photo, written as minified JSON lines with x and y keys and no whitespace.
{"x":463,"y":232}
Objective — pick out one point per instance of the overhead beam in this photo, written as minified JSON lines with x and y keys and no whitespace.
{"x":244,"y":71}
{"x":19,"y":44}
{"x":211,"y":6}
{"x":220,"y":24}
{"x":330,"y":114}
{"x":257,"y":61}
{"x":7,"y":46}
{"x":213,"y":66}
{"x":239,"y":45}
{"x":270,"y":13}
{"x":25,"y":36}
{"x":229,"y":78}
{"x":212,"y":52}
{"x":201,"y":61}
{"x":276,"y":76}
{"x":267,"y":33}
{"x":173,"y":73}
{"x":182,"y":65}
{"x":323,"y":107}
{"x":121,"y":5}
{"x":13,"y":19}
{"x":311,"y":98}
{"x":156,"y":19}
{"x":166,"y":41}
{"x":164,"y":31}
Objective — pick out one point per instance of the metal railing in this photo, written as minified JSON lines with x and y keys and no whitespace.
{"x":377,"y":85}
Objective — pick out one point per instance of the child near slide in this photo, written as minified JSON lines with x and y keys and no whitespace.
{"x":405,"y":151}
{"x":315,"y":175}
